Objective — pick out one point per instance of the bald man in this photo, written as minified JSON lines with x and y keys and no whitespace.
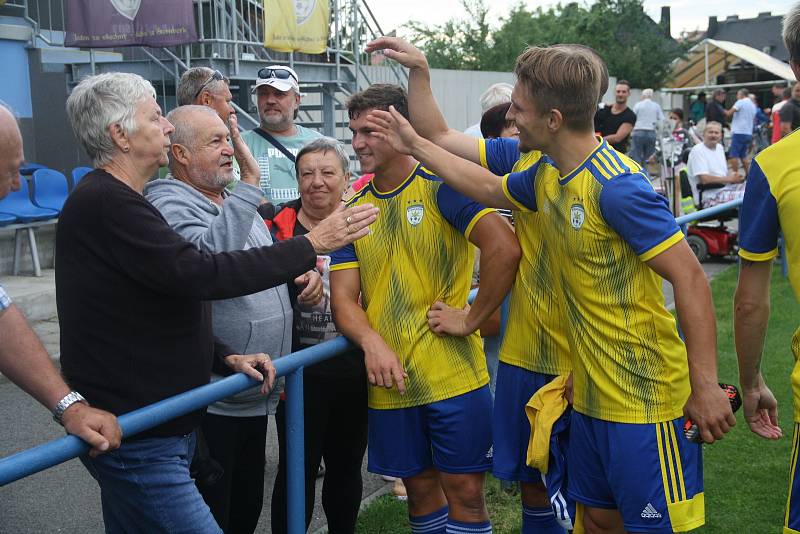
{"x":23,"y":359}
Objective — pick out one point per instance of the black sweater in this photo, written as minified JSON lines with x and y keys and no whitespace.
{"x":130,"y":292}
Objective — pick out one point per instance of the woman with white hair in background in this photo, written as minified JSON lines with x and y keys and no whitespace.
{"x":130,"y":294}
{"x":643,"y":139}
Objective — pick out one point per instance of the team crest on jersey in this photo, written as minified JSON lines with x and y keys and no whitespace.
{"x":415,"y":213}
{"x":576,"y":216}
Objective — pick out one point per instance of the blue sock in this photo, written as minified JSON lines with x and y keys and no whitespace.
{"x":540,"y":520}
{"x":459,"y":527}
{"x":433,"y":523}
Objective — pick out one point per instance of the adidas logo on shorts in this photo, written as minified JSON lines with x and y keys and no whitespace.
{"x":650,"y":512}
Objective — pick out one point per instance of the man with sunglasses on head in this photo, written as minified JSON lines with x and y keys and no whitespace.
{"x":207,"y":87}
{"x":277,"y":140}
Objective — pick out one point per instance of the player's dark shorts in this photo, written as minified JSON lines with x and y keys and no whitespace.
{"x":650,"y":472}
{"x":512,"y":430}
{"x":453,"y":435}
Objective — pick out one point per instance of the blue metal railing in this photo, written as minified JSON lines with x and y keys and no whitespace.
{"x":684,"y":220}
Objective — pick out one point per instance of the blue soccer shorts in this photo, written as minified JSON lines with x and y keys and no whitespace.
{"x":512,"y":430}
{"x":650,"y":472}
{"x":791,"y":524}
{"x":453,"y":435}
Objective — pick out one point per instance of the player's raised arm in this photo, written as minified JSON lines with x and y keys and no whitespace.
{"x":464,"y":176}
{"x":426,"y":117}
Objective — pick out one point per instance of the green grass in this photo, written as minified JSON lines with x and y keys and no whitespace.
{"x":746,"y":477}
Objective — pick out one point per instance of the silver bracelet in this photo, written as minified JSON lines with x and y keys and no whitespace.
{"x":69,"y":399}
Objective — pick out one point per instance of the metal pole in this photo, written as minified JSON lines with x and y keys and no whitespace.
{"x":295,"y":449}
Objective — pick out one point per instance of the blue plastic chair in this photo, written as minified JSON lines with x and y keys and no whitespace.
{"x":50,"y":189}
{"x":18,"y":204}
{"x":77,"y":175}
{"x":6,"y":219}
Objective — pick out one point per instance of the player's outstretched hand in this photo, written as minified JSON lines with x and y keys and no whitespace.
{"x":709,"y":408}
{"x":446,"y":320}
{"x":761,"y":411}
{"x":399,"y":50}
{"x":342,"y":227}
{"x":256,"y":366}
{"x":392,"y":127}
{"x":383,"y":366}
{"x":96,"y":427}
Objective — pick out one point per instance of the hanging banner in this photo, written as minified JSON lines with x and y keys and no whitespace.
{"x":109,"y":23}
{"x":297,"y":25}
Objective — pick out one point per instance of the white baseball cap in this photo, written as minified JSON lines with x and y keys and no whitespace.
{"x":280,"y":77}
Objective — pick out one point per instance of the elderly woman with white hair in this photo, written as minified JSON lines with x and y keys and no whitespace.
{"x":648,"y":117}
{"x":130,"y":294}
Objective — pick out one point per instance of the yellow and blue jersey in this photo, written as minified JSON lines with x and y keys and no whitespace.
{"x":771,"y":205}
{"x":417,"y":252}
{"x":536,"y":333}
{"x":604,"y":220}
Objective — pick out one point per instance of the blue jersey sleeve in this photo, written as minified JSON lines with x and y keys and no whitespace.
{"x":634,"y":210}
{"x":460,"y":211}
{"x":758,"y":218}
{"x":344,"y":258}
{"x":519,"y":188}
{"x":499,"y":155}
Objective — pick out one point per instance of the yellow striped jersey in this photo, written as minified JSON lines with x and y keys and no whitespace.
{"x":772,"y":205}
{"x":536,"y":332}
{"x":418,"y":252}
{"x":605,"y":220}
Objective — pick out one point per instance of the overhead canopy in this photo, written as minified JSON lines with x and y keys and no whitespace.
{"x":710,"y":58}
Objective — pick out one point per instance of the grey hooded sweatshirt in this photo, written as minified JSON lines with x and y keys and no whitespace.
{"x":261,"y":322}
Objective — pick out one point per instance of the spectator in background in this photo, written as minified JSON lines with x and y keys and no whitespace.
{"x":743,"y":112}
{"x":499,"y":93}
{"x":131,"y":296}
{"x":709,"y":177}
{"x":715,"y":110}
{"x":648,"y":116}
{"x":277,"y":140}
{"x":23,"y":359}
{"x":334,"y":391}
{"x":680,"y":134}
{"x":776,"y":114}
{"x":194,"y":201}
{"x":206,"y":87}
{"x":697,"y":111}
{"x":615,"y":122}
{"x":790,"y":112}
{"x":495,"y":124}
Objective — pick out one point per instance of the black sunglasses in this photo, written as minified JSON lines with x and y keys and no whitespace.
{"x":279,"y":73}
{"x":215,"y":76}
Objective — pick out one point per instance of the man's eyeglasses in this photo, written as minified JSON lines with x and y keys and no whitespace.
{"x":215,"y":76}
{"x":281,"y":74}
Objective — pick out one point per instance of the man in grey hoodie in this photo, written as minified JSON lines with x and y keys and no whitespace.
{"x":194,"y":201}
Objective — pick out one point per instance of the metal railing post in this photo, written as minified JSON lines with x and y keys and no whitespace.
{"x":295,"y":452}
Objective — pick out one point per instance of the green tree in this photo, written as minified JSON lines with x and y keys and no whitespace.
{"x":458,"y":43}
{"x":633,"y":45}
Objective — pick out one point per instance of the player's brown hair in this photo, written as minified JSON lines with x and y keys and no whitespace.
{"x":378,"y":96}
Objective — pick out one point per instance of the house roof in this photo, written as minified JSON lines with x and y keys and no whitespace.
{"x":762,"y":33}
{"x":691,"y":71}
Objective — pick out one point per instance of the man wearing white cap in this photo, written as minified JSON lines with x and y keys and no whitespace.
{"x":276,"y":142}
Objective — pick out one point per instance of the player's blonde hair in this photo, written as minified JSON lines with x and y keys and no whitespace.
{"x":562,"y":77}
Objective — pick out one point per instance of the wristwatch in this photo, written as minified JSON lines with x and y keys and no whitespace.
{"x":69,"y":399}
